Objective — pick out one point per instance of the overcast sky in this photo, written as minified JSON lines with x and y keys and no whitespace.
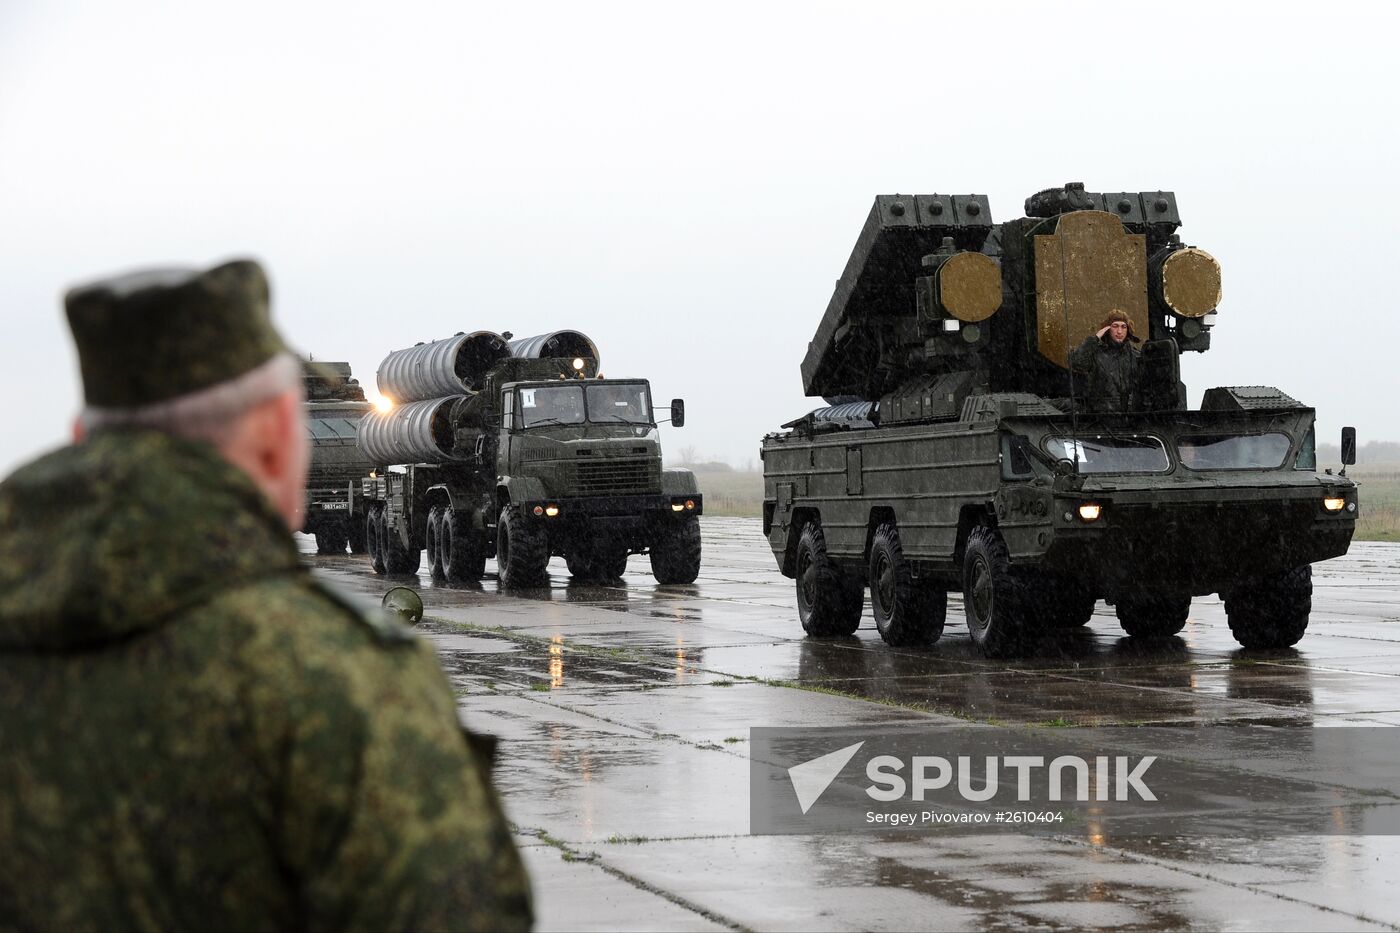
{"x":683,"y":182}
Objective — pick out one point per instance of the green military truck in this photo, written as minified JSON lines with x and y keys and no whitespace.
{"x":335,"y":403}
{"x":962,"y":451}
{"x":520,"y":450}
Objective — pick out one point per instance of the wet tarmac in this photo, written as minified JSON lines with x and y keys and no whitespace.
{"x":624,"y":712}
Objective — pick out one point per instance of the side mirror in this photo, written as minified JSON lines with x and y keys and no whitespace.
{"x":677,"y":412}
{"x":404,"y":603}
{"x":1348,"y":446}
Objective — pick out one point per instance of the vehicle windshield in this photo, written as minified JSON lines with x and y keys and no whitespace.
{"x":1103,"y":454}
{"x":550,"y":405}
{"x":613,"y":402}
{"x":1233,"y":451}
{"x":572,"y":403}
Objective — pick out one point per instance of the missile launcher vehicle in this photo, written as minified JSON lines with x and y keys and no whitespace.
{"x":968,"y":446}
{"x":335,"y":402}
{"x":520,"y":450}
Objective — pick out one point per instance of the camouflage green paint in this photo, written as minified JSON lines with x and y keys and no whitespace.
{"x":199,"y":735}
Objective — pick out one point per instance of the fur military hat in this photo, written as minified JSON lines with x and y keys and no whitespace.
{"x":157,"y":334}
{"x":1120,"y":316}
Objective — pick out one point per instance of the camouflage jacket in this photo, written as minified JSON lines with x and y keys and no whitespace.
{"x":196,"y":734}
{"x":1112,"y":372}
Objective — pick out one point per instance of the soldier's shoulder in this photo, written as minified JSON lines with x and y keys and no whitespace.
{"x":300,"y":607}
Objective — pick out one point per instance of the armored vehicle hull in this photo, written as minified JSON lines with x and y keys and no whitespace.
{"x":966,"y":455}
{"x":334,"y":506}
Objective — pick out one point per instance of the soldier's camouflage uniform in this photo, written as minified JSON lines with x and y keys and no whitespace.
{"x":194,"y":734}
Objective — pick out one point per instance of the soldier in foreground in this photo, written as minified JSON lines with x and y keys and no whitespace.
{"x":196,"y":733}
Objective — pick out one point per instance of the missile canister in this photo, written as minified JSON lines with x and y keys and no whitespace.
{"x":454,"y":366}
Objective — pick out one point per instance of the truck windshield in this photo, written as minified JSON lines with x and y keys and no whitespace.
{"x":1233,"y":451}
{"x":612,"y":402}
{"x":550,"y":405}
{"x":1103,"y":454}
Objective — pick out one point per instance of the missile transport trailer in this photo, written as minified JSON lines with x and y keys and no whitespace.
{"x":334,"y":504}
{"x":521,"y":450}
{"x":968,"y":445}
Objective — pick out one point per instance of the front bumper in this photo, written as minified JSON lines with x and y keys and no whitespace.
{"x":1201,"y":543}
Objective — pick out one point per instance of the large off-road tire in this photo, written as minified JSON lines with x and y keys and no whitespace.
{"x":675,"y":554}
{"x":1153,"y":615}
{"x":522,"y":551}
{"x":374,"y":537}
{"x":1058,"y":603}
{"x":1273,"y":611}
{"x":906,"y":613}
{"x":829,"y":602}
{"x":461,"y":547}
{"x":432,"y":534}
{"x":597,"y":560}
{"x":993,"y":596}
{"x":355,"y":532}
{"x":331,"y":539}
{"x":397,"y":558}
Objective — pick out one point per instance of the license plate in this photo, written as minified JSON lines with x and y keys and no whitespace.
{"x":333,"y":505}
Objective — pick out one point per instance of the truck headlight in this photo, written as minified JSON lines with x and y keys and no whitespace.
{"x":677,"y":506}
{"x":1334,"y":504}
{"x":578,"y":363}
{"x":551,"y":510}
{"x":1090,"y":511}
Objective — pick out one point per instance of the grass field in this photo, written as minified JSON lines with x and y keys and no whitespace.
{"x":1380,"y":502}
{"x":741,"y":494}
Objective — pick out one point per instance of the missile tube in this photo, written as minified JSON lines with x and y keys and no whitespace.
{"x":419,"y":432}
{"x":559,"y":344}
{"x":444,"y":367}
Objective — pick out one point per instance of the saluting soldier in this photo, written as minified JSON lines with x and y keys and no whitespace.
{"x":194,"y":732}
{"x":1110,"y":359}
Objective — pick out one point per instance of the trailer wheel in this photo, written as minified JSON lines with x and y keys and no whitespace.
{"x":373,"y":539}
{"x":992,"y":596}
{"x":462,"y":550}
{"x":434,"y":539}
{"x":1271,"y":612}
{"x":522,"y":552}
{"x":1153,"y":615}
{"x":355,"y":532}
{"x":675,"y":554}
{"x":825,"y":603}
{"x":397,"y":558}
{"x":905,"y":613}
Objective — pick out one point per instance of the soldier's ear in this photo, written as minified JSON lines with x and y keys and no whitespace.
{"x":79,"y":432}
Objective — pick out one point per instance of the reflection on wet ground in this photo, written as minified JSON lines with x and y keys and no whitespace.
{"x":624,"y":710}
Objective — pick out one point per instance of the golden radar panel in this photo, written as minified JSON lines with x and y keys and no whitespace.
{"x":1191,"y":282}
{"x":969,"y":287}
{"x":1089,"y":267}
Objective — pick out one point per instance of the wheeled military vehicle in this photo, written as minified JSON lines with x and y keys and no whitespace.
{"x":957,"y":452}
{"x":335,"y":402}
{"x":521,"y":450}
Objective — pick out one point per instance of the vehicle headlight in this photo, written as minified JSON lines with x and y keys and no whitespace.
{"x":690,"y":503}
{"x":677,"y":506}
{"x":1090,"y":511}
{"x":1334,"y":503}
{"x":578,"y":363}
{"x":551,"y":510}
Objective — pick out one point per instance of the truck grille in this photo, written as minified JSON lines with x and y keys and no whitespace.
{"x":640,"y":474}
